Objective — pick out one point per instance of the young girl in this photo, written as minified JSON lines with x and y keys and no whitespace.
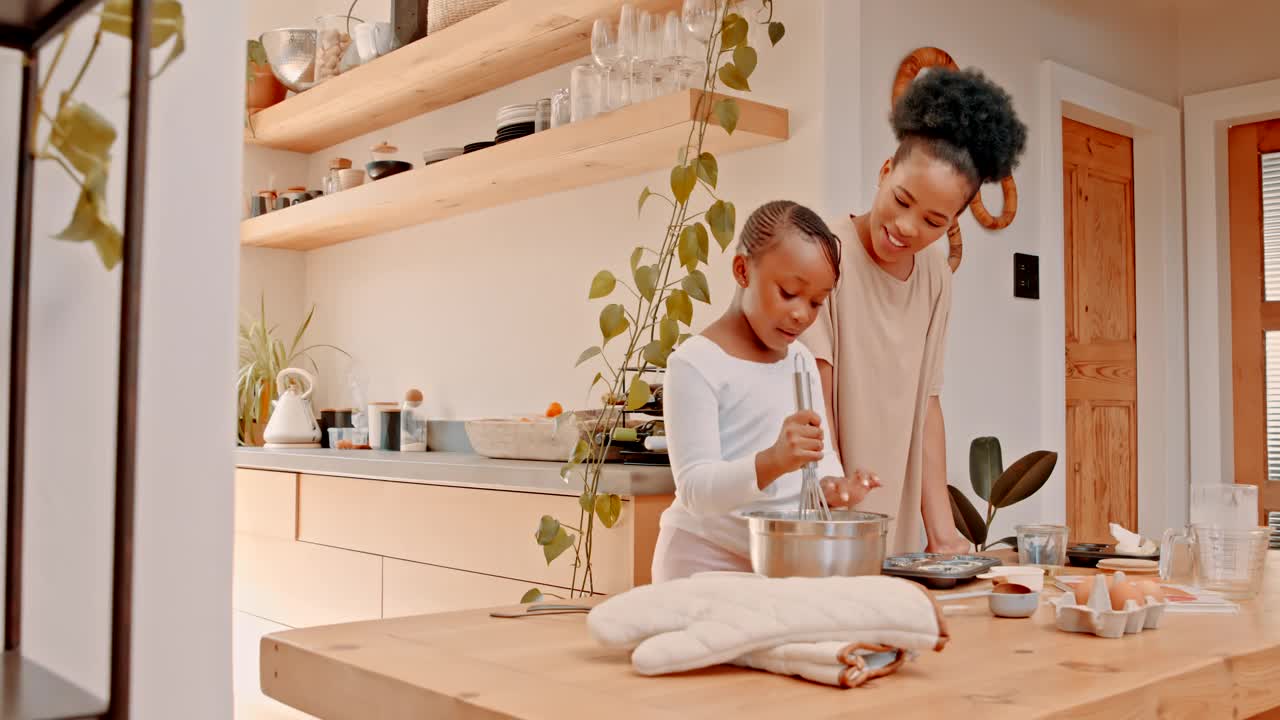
{"x":879,"y":342}
{"x":734,"y":435}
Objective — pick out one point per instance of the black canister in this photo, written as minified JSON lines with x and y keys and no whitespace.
{"x":333,"y":419}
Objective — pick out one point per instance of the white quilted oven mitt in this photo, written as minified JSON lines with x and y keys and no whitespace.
{"x":867,"y":623}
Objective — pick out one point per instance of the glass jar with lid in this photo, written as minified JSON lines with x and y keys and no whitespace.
{"x":333,"y":41}
{"x":331,"y":182}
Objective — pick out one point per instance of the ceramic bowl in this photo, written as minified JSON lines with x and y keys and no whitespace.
{"x":1015,"y":601}
{"x":386,"y":168}
{"x":1032,"y":577}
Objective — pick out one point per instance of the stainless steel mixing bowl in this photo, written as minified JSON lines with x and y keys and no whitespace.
{"x":292,"y":55}
{"x":784,"y":545}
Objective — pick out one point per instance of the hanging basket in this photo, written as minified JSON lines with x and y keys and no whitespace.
{"x":443,"y":13}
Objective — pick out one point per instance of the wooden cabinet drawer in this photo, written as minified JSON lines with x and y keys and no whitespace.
{"x":266,"y":503}
{"x":299,"y":584}
{"x":410,"y":588}
{"x":484,"y":531}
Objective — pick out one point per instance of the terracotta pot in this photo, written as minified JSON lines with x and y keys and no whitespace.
{"x":264,"y":90}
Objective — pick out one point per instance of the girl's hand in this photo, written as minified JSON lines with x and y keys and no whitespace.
{"x":799,"y":443}
{"x":846,"y":492}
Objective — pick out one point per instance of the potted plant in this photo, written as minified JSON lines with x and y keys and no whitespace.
{"x":262,"y":89}
{"x":999,"y":486}
{"x":262,"y":357}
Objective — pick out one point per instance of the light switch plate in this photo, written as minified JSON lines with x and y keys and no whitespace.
{"x":1026,"y":276}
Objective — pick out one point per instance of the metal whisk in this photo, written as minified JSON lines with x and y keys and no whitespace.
{"x":813,"y":503}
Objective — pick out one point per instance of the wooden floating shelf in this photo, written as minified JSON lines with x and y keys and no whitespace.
{"x":508,"y":42}
{"x":627,"y":142}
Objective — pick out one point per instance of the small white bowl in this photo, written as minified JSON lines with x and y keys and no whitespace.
{"x":1014,"y":605}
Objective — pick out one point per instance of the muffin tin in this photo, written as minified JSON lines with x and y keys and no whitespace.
{"x":935,"y":570}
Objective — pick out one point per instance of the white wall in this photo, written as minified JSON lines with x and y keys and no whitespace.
{"x":487,"y":312}
{"x":182,"y":542}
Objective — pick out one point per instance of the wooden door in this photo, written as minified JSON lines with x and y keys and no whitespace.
{"x":1254,"y":171}
{"x":1101,"y":330}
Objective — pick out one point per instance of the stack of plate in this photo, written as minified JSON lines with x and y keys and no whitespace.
{"x":1273,"y":521}
{"x":472,"y":147}
{"x":516,"y":121}
{"x":435,"y":156}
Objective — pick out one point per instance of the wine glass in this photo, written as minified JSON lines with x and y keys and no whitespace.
{"x":604,"y":44}
{"x":644,"y":73}
{"x":699,"y":18}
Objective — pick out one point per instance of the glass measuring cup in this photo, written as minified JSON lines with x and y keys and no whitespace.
{"x":1229,"y":561}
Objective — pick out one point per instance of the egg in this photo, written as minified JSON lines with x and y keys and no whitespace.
{"x":1151,"y":589}
{"x":1123,"y":591}
{"x":1084,"y":589}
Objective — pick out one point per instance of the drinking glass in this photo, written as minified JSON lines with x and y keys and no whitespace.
{"x":700,"y":17}
{"x":648,"y":50}
{"x":585,"y":93}
{"x":1042,"y":545}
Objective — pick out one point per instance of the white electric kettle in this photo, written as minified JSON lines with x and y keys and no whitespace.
{"x":292,"y":423}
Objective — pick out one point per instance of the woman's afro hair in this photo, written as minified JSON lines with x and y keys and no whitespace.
{"x":963,"y":118}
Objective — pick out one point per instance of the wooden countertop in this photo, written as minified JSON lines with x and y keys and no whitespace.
{"x":469,"y":665}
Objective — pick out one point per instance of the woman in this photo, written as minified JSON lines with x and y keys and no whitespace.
{"x":879,"y":343}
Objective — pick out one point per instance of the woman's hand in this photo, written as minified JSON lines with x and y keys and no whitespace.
{"x":799,"y":443}
{"x":846,"y":492}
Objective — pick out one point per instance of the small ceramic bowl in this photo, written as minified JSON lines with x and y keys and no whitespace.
{"x":1011,"y":600}
{"x":350,"y":177}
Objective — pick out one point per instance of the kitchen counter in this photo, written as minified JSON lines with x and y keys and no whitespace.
{"x":452,"y":468}
{"x":469,"y":665}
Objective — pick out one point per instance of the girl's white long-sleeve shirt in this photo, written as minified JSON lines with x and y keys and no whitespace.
{"x":719,"y":412}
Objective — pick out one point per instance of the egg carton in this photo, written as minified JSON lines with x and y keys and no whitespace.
{"x":1099,"y":618}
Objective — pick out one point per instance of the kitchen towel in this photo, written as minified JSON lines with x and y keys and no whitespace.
{"x":837,"y":630}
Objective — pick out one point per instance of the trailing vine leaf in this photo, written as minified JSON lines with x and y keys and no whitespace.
{"x":602,"y":285}
{"x":704,"y":243}
{"x":613,"y":322}
{"x":668,"y":332}
{"x":608,"y":509}
{"x":644,"y":195}
{"x":683,"y":180}
{"x":166,"y":22}
{"x":687,"y":248}
{"x":682,"y":155}
{"x":531,"y":596}
{"x":745,"y":58}
{"x":84,"y":137}
{"x":727,"y":113}
{"x":563,"y":541}
{"x":733,"y":31}
{"x":680,"y":307}
{"x":587,"y":354}
{"x":596,"y":381}
{"x":647,"y":281}
{"x":580,"y":452}
{"x":638,"y":394}
{"x":547,"y":529}
{"x":89,"y":222}
{"x":655,"y":354}
{"x":722,"y":216}
{"x":776,"y":31}
{"x":968,"y":521}
{"x":683,"y":337}
{"x":732,"y":77}
{"x":695,"y":284}
{"x":636,"y":256}
{"x":708,"y":168}
{"x":587,"y":501}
